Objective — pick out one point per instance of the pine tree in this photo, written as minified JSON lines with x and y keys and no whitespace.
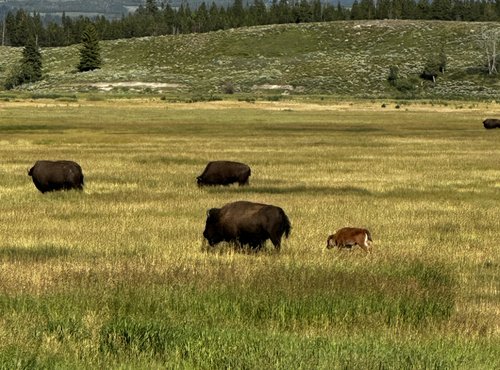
{"x":30,"y":67}
{"x":90,"y":53}
{"x":32,"y":60}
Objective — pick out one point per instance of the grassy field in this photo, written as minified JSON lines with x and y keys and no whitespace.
{"x":115,"y":277}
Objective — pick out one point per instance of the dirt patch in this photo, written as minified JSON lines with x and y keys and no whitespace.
{"x":108,"y":86}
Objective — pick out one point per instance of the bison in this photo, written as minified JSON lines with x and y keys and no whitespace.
{"x":348,"y":237}
{"x":491,"y":123}
{"x":56,"y":175}
{"x":224,"y":173}
{"x":247,"y":223}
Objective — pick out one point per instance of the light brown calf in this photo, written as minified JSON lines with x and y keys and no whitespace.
{"x":347,"y":237}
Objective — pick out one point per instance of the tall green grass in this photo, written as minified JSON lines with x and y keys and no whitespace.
{"x":116,"y":276}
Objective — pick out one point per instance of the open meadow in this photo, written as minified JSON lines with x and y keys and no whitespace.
{"x":115,"y":276}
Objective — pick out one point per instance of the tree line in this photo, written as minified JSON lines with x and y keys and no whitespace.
{"x":153,"y":19}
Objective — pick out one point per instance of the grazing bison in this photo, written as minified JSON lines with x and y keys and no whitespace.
{"x":347,"y":237}
{"x":247,"y":223}
{"x":56,"y":175}
{"x":491,"y":123}
{"x":224,"y":173}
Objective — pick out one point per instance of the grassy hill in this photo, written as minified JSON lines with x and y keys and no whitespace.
{"x":349,"y":59}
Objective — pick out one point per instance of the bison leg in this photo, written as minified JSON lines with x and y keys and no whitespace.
{"x":276,"y":240}
{"x":243,"y":182}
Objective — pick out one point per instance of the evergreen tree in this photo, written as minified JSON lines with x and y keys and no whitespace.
{"x":367,"y":9}
{"x":384,"y":10}
{"x":260,"y":12}
{"x":90,"y":53}
{"x":356,"y":12}
{"x":329,"y":13}
{"x":302,"y":12}
{"x":408,"y":9}
{"x":284,"y":12}
{"x":317,"y":11}
{"x":441,"y":9}
{"x":216,"y":21}
{"x":237,"y":14}
{"x":422,"y":9}
{"x":342,"y":13}
{"x":201,"y":19}
{"x":151,"y":7}
{"x":30,"y":67}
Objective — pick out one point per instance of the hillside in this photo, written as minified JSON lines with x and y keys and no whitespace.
{"x":349,"y":59}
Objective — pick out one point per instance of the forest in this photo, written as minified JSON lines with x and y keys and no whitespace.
{"x":154,"y":19}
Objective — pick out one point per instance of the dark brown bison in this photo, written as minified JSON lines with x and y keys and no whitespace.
{"x":247,"y":223}
{"x":224,"y":173}
{"x":56,"y":175}
{"x":491,"y":123}
{"x":347,"y":237}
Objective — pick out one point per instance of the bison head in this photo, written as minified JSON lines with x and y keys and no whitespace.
{"x":212,"y":229}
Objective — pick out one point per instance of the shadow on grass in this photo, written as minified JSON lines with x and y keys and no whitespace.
{"x":35,"y":254}
{"x":224,"y":248}
{"x":24,"y":128}
{"x":298,"y":189}
{"x":323,"y":128}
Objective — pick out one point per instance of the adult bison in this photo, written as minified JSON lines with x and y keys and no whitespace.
{"x":56,"y":175}
{"x":491,"y":123}
{"x":247,"y":223}
{"x":347,"y":237}
{"x":224,"y":173}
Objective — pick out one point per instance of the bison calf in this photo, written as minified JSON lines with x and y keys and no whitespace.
{"x":491,"y":123}
{"x":224,"y":173}
{"x":348,"y":237}
{"x":56,"y":175}
{"x":246,"y":223}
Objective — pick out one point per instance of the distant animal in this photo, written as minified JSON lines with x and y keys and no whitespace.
{"x":224,"y":173}
{"x":347,"y":237}
{"x":430,"y":76}
{"x":247,"y":223}
{"x":491,"y":123}
{"x":56,"y":175}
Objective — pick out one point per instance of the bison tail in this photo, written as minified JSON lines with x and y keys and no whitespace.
{"x":287,"y":226}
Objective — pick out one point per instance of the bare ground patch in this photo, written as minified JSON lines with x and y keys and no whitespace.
{"x":108,"y":86}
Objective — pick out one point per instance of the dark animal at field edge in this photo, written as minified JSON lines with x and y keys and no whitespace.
{"x":429,"y":76}
{"x":247,"y":223}
{"x":347,"y":237}
{"x":490,"y":123}
{"x":224,"y":173}
{"x":56,"y":175}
